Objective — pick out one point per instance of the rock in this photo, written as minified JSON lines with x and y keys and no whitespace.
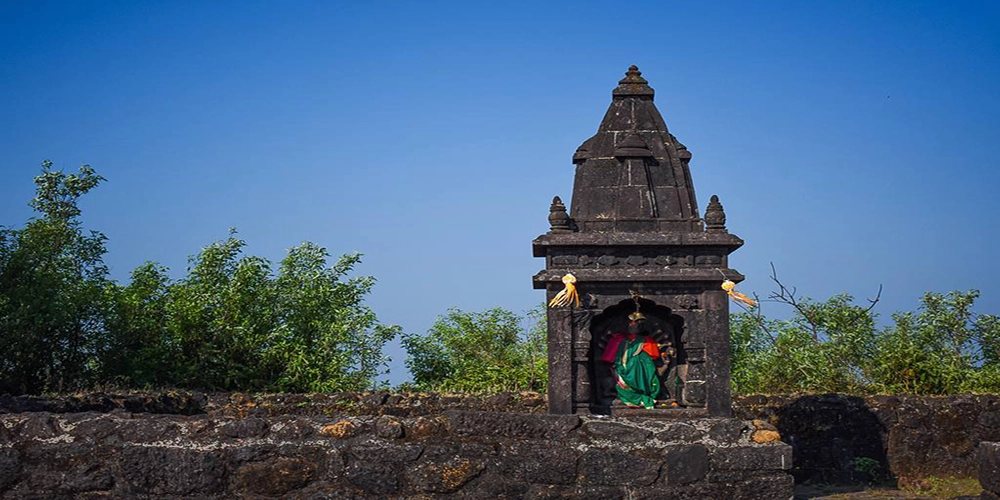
{"x":617,"y":468}
{"x":340,"y":430}
{"x":373,"y":478}
{"x":172,"y":471}
{"x":989,"y":467}
{"x":10,"y":467}
{"x":728,"y":430}
{"x":679,"y":432}
{"x":388,"y":427}
{"x":616,"y":432}
{"x":514,"y":425}
{"x":751,"y":457}
{"x":391,"y":453}
{"x":244,"y":428}
{"x":424,"y":427}
{"x":531,"y":462}
{"x":685,"y":464}
{"x":447,"y":477}
{"x":276,"y":477}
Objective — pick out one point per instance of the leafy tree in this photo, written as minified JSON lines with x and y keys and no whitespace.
{"x":479,"y":352}
{"x":327,"y":339}
{"x":52,"y":283}
{"x":230,"y":324}
{"x":220,"y":318}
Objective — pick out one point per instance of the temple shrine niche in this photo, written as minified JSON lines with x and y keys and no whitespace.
{"x":646,"y":264}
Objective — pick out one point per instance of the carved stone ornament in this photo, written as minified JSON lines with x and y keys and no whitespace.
{"x":715,"y":216}
{"x":558,"y":218}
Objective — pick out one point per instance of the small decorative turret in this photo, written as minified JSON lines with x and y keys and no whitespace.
{"x":715,"y":216}
{"x":558,"y":218}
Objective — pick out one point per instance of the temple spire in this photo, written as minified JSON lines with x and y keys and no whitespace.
{"x":632,"y":175}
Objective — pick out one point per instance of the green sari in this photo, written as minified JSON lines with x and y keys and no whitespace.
{"x":635,"y":374}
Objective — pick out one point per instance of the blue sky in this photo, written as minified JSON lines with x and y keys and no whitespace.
{"x":852,"y":143}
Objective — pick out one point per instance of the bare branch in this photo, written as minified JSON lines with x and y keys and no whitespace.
{"x":786,"y":296}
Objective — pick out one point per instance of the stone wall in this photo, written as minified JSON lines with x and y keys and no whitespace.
{"x":453,"y":453}
{"x":835,"y":439}
{"x":843,"y":439}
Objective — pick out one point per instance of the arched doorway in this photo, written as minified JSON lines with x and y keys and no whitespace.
{"x":666,"y":329}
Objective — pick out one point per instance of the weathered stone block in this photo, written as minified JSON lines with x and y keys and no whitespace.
{"x":728,"y":431}
{"x":444,"y":451}
{"x":292,"y":428}
{"x":764,"y":457}
{"x":10,"y":467}
{"x":617,"y":468}
{"x":172,"y":471}
{"x":679,"y":432}
{"x":490,"y":485}
{"x":765,"y":487}
{"x":616,"y":432}
{"x":989,"y":467}
{"x":579,"y":492}
{"x":685,"y":464}
{"x":443,"y":477}
{"x":542,"y":463}
{"x":466,"y":423}
{"x":387,"y":453}
{"x":244,"y":428}
{"x":36,"y":425}
{"x":374,"y":478}
{"x":274,"y":477}
{"x":389,"y":427}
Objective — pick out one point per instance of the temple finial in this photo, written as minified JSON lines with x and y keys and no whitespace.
{"x":633,"y":84}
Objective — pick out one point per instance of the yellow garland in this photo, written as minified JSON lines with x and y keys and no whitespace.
{"x":568,"y":295}
{"x":730,"y":289}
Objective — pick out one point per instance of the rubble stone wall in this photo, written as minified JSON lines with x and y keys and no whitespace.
{"x":843,"y":439}
{"x":835,"y":439}
{"x":454,"y":453}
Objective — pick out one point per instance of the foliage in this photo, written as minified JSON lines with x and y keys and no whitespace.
{"x":835,"y":346}
{"x":230,"y":324}
{"x":328,"y":339}
{"x":480,"y":352}
{"x":52,"y":279}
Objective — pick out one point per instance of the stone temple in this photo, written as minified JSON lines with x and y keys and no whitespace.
{"x":635,"y":239}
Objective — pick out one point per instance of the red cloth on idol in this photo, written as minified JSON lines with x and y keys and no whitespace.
{"x":615,"y":340}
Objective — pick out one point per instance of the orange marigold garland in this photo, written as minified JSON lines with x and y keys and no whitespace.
{"x":567,"y":295}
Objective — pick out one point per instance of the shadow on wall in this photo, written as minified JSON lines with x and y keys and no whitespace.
{"x":835,"y":439}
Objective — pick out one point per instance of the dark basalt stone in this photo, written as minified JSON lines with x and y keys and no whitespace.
{"x":466,"y":423}
{"x":172,"y":471}
{"x":617,"y":468}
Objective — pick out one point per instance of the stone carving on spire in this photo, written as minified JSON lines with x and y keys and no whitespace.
{"x":558,"y":219}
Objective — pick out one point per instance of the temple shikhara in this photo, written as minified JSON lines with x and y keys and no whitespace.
{"x":648,"y":268}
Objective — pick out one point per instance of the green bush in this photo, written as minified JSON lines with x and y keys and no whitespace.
{"x":835,"y":346}
{"x":480,"y":352}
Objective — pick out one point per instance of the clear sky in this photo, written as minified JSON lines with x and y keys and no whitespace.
{"x":852,"y":143}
